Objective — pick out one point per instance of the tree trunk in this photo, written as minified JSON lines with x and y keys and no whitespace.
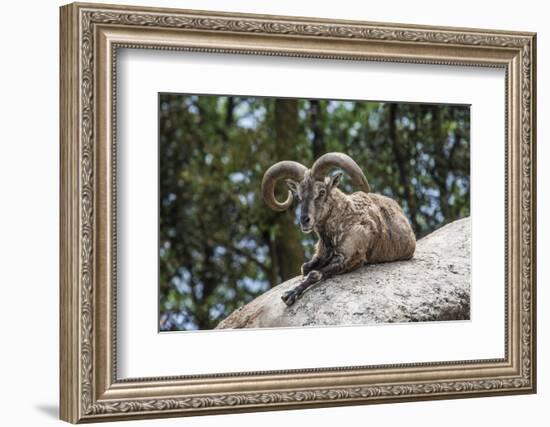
{"x":287,"y":239}
{"x":318,"y":142}
{"x":401,"y":156}
{"x":441,"y":165}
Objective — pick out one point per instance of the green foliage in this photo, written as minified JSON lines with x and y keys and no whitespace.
{"x":220,"y":246}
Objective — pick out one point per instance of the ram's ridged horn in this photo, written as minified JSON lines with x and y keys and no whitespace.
{"x":280,"y":170}
{"x":340,"y":160}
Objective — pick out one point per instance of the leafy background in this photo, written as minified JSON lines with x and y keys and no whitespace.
{"x":220,"y":246}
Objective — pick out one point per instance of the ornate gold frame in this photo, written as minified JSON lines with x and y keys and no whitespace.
{"x":90,"y":36}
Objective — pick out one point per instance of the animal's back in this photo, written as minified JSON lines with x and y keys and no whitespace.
{"x":389,"y":229}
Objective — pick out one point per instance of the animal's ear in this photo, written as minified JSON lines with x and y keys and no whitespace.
{"x":334,"y":180}
{"x":292,"y":185}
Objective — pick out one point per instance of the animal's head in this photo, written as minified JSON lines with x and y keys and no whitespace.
{"x":311,"y":187}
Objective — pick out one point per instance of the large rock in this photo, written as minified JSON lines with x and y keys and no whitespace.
{"x":433,"y":286}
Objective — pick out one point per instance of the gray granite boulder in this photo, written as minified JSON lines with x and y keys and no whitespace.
{"x":433,"y":286}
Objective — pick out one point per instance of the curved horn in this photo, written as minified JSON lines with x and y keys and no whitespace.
{"x":340,"y":160}
{"x":280,"y":170}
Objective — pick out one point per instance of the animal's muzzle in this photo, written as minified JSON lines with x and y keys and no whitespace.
{"x":305,"y":220}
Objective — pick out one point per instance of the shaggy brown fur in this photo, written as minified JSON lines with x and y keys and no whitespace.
{"x":352,"y":230}
{"x":368,"y":228}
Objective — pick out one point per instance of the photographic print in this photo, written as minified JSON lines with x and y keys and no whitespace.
{"x":283,"y":212}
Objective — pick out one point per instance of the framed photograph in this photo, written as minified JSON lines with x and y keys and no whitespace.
{"x":267,"y":212}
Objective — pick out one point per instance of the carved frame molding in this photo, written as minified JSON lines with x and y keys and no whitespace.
{"x":90,"y":37}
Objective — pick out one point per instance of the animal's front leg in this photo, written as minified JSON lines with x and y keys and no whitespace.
{"x":290,"y":297}
{"x":320,"y":259}
{"x":311,"y":265}
{"x":335,"y":265}
{"x":339,"y":264}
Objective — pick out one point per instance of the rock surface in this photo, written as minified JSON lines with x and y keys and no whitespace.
{"x":433,"y":286}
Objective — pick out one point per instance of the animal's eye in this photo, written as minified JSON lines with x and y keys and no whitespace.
{"x":322,"y":192}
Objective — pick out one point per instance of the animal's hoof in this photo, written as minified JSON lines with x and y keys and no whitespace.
{"x":289,"y":297}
